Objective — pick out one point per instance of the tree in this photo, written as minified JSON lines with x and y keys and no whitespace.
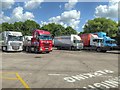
{"x":58,"y":30}
{"x":29,"y":26}
{"x":101,"y":24}
{"x":18,"y":26}
{"x":69,"y":30}
{"x":118,"y":34}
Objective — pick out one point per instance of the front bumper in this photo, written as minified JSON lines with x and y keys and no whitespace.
{"x":13,"y":48}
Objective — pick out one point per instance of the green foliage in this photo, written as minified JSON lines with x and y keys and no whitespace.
{"x":28,"y":26}
{"x":58,"y":30}
{"x":24,"y":27}
{"x":118,"y":34}
{"x":102,"y":24}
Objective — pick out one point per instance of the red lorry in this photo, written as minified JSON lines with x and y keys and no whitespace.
{"x":41,"y":41}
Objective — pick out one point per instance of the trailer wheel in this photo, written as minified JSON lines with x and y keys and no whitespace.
{"x":98,"y":49}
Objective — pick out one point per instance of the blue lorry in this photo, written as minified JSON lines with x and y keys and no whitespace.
{"x":108,"y":42}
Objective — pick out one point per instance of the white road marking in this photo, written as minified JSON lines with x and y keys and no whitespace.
{"x":88,"y":75}
{"x":58,"y":74}
{"x":111,"y":83}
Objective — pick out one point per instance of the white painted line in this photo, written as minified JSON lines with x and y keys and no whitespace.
{"x":57,"y":74}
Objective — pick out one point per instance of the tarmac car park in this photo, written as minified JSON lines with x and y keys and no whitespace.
{"x":60,"y":69}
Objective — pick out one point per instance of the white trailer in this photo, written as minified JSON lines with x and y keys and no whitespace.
{"x":72,"y":42}
{"x":11,"y":41}
{"x":27,"y":42}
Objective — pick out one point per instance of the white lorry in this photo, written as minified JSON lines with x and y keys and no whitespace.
{"x":72,"y":42}
{"x":11,"y":41}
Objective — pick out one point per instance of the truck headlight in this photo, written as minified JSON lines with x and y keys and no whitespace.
{"x":41,"y":49}
{"x":51,"y":48}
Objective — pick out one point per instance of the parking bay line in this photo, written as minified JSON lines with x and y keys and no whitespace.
{"x":22,"y":81}
{"x":10,"y":78}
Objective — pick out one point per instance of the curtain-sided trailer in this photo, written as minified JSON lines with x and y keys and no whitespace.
{"x":72,"y":42}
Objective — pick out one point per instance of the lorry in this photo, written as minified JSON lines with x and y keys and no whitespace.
{"x":11,"y":41}
{"x":40,"y":41}
{"x":109,"y":43}
{"x":93,"y":42}
{"x":71,"y":42}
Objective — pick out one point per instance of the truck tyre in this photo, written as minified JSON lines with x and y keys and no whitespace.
{"x":35,"y":49}
{"x":71,"y":48}
{"x":26,"y":49}
{"x":4,"y":48}
{"x":98,"y":49}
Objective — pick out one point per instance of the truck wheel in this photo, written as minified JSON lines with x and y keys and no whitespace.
{"x":4,"y":48}
{"x":35,"y":50}
{"x":98,"y":50}
{"x":26,"y":49}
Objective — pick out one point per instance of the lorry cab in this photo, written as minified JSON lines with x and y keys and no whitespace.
{"x":96,"y":41}
{"x":110,"y":42}
{"x":42,"y":41}
{"x":107,"y":41}
{"x":12,"y":41}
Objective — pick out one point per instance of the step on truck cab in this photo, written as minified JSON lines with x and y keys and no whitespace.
{"x":72,"y":42}
{"x":11,"y":41}
{"x":41,"y":41}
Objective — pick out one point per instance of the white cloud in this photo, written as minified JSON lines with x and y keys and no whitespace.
{"x":6,"y":4}
{"x":3,"y":18}
{"x":32,"y":4}
{"x":67,"y":18}
{"x":109,"y":11}
{"x":17,"y":15}
{"x":71,"y":4}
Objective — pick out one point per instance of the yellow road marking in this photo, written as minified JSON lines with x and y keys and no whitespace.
{"x":22,"y":81}
{"x":10,"y":78}
{"x":7,"y":72}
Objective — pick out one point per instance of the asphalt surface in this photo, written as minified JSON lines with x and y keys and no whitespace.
{"x":59,"y":69}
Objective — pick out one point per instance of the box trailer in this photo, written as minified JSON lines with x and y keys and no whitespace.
{"x":72,"y":42}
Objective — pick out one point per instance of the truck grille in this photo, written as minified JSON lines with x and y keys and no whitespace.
{"x":46,"y":45}
{"x":15,"y":44}
{"x":15,"y":47}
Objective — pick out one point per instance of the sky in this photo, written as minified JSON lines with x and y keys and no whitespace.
{"x":69,"y":13}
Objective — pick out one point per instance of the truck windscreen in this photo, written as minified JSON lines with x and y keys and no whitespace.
{"x":98,"y":40}
{"x":45,"y":37}
{"x":77,"y":41}
{"x":15,"y":38}
{"x":111,"y":42}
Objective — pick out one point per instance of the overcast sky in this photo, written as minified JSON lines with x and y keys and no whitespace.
{"x":71,"y":13}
